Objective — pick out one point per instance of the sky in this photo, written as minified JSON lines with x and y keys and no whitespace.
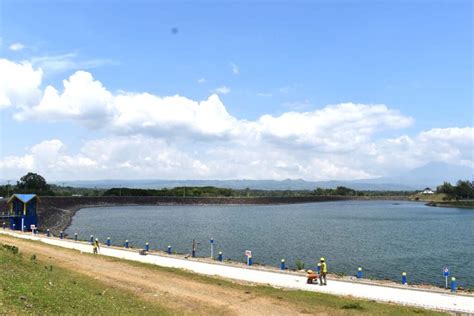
{"x":320,"y":90}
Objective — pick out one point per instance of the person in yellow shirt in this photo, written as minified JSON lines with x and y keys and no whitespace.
{"x":324,"y":271}
{"x":96,"y":246}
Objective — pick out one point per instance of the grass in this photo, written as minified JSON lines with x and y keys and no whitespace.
{"x":33,"y":286}
{"x":309,"y":302}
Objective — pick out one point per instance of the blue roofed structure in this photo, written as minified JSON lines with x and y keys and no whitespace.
{"x":22,"y":211}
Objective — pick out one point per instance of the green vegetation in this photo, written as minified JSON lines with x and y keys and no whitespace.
{"x":462,"y":190}
{"x":32,"y":286}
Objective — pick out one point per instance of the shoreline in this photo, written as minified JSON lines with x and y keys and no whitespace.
{"x":56,"y":213}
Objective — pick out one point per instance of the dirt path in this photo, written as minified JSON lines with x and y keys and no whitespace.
{"x":166,"y":288}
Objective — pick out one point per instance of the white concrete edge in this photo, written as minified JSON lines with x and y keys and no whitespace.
{"x":380,"y":293}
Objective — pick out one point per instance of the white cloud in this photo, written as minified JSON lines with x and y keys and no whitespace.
{"x":66,"y":62}
{"x":17,"y":47}
{"x":201,"y":80}
{"x":235,"y":69}
{"x":19,"y":84}
{"x":175,"y":137}
{"x":83,"y":100}
{"x":451,"y":145}
{"x":264,"y":94}
{"x":221,"y":90}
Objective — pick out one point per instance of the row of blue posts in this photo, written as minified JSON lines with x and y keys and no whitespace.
{"x":453,"y":285}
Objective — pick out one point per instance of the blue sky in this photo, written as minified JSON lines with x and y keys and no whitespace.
{"x":272,"y":58}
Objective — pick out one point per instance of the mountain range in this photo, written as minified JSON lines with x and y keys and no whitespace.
{"x":430,"y":175}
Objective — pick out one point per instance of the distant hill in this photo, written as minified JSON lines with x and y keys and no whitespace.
{"x":429,"y":175}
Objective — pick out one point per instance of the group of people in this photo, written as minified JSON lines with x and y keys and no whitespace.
{"x":313,"y":277}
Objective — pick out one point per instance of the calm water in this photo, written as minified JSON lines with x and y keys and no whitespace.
{"x":384,"y":237}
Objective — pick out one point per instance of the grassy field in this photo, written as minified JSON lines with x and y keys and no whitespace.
{"x":31,"y":286}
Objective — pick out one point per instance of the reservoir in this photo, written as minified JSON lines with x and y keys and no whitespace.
{"x":385,"y":238}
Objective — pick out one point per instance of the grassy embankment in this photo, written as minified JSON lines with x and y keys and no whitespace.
{"x":442,"y":199}
{"x":34,"y":285}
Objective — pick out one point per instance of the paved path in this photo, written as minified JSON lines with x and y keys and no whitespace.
{"x":408,"y":296}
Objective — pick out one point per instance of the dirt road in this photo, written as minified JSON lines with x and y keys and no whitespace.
{"x":164,"y":287}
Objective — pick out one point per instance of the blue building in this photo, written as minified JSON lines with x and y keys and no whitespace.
{"x":22,"y":210}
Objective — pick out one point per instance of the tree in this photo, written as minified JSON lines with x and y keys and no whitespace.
{"x":33,"y":183}
{"x":446,"y":188}
{"x":465,"y":189}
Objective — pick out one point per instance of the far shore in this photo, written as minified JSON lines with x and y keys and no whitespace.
{"x":56,"y":213}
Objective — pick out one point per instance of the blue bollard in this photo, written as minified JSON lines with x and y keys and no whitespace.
{"x":13,"y":226}
{"x":250,"y":260}
{"x":359,"y":273}
{"x":453,"y":284}
{"x":282,"y":264}
{"x":169,"y":250}
{"x":75,"y":236}
{"x":318,"y":268}
{"x":61,"y":235}
{"x":91,"y":239}
{"x":48,"y":233}
{"x":404,"y":278}
{"x":108,"y":241}
{"x":126,"y":243}
{"x":4,"y":225}
{"x":219,"y":257}
{"x":147,"y":247}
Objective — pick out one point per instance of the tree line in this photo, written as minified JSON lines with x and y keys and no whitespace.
{"x":462,"y":190}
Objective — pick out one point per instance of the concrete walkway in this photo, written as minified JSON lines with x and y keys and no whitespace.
{"x":409,"y":296}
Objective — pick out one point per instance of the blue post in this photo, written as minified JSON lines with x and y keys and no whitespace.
{"x":359,"y":273}
{"x":282,"y":264}
{"x":61,"y":235}
{"x":4,"y":225}
{"x":404,"y":278}
{"x":220,"y":256}
{"x":250,"y":260}
{"x":13,"y":226}
{"x":318,"y":268}
{"x":91,"y":239}
{"x":147,"y":247}
{"x":453,"y":284}
{"x":126,"y":243}
{"x":48,"y":233}
{"x":169,"y":250}
{"x":75,"y":236}
{"x":108,"y":241}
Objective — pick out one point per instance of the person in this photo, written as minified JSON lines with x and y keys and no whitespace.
{"x":324,"y":271}
{"x":96,"y":246}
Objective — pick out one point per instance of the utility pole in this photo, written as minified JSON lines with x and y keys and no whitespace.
{"x":8,"y":187}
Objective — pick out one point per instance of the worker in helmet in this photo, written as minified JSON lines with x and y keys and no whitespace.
{"x":324,"y":271}
{"x":96,"y":246}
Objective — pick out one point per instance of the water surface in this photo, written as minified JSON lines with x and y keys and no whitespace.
{"x":384,"y":237}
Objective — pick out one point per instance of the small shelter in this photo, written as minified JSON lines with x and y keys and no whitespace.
{"x":23,"y":210}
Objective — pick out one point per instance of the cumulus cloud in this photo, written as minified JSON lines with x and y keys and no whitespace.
{"x":83,"y":100}
{"x":175,"y":137}
{"x":19,"y":84}
{"x":17,"y":47}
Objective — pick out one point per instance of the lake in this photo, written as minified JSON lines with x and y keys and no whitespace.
{"x":386,"y":238}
